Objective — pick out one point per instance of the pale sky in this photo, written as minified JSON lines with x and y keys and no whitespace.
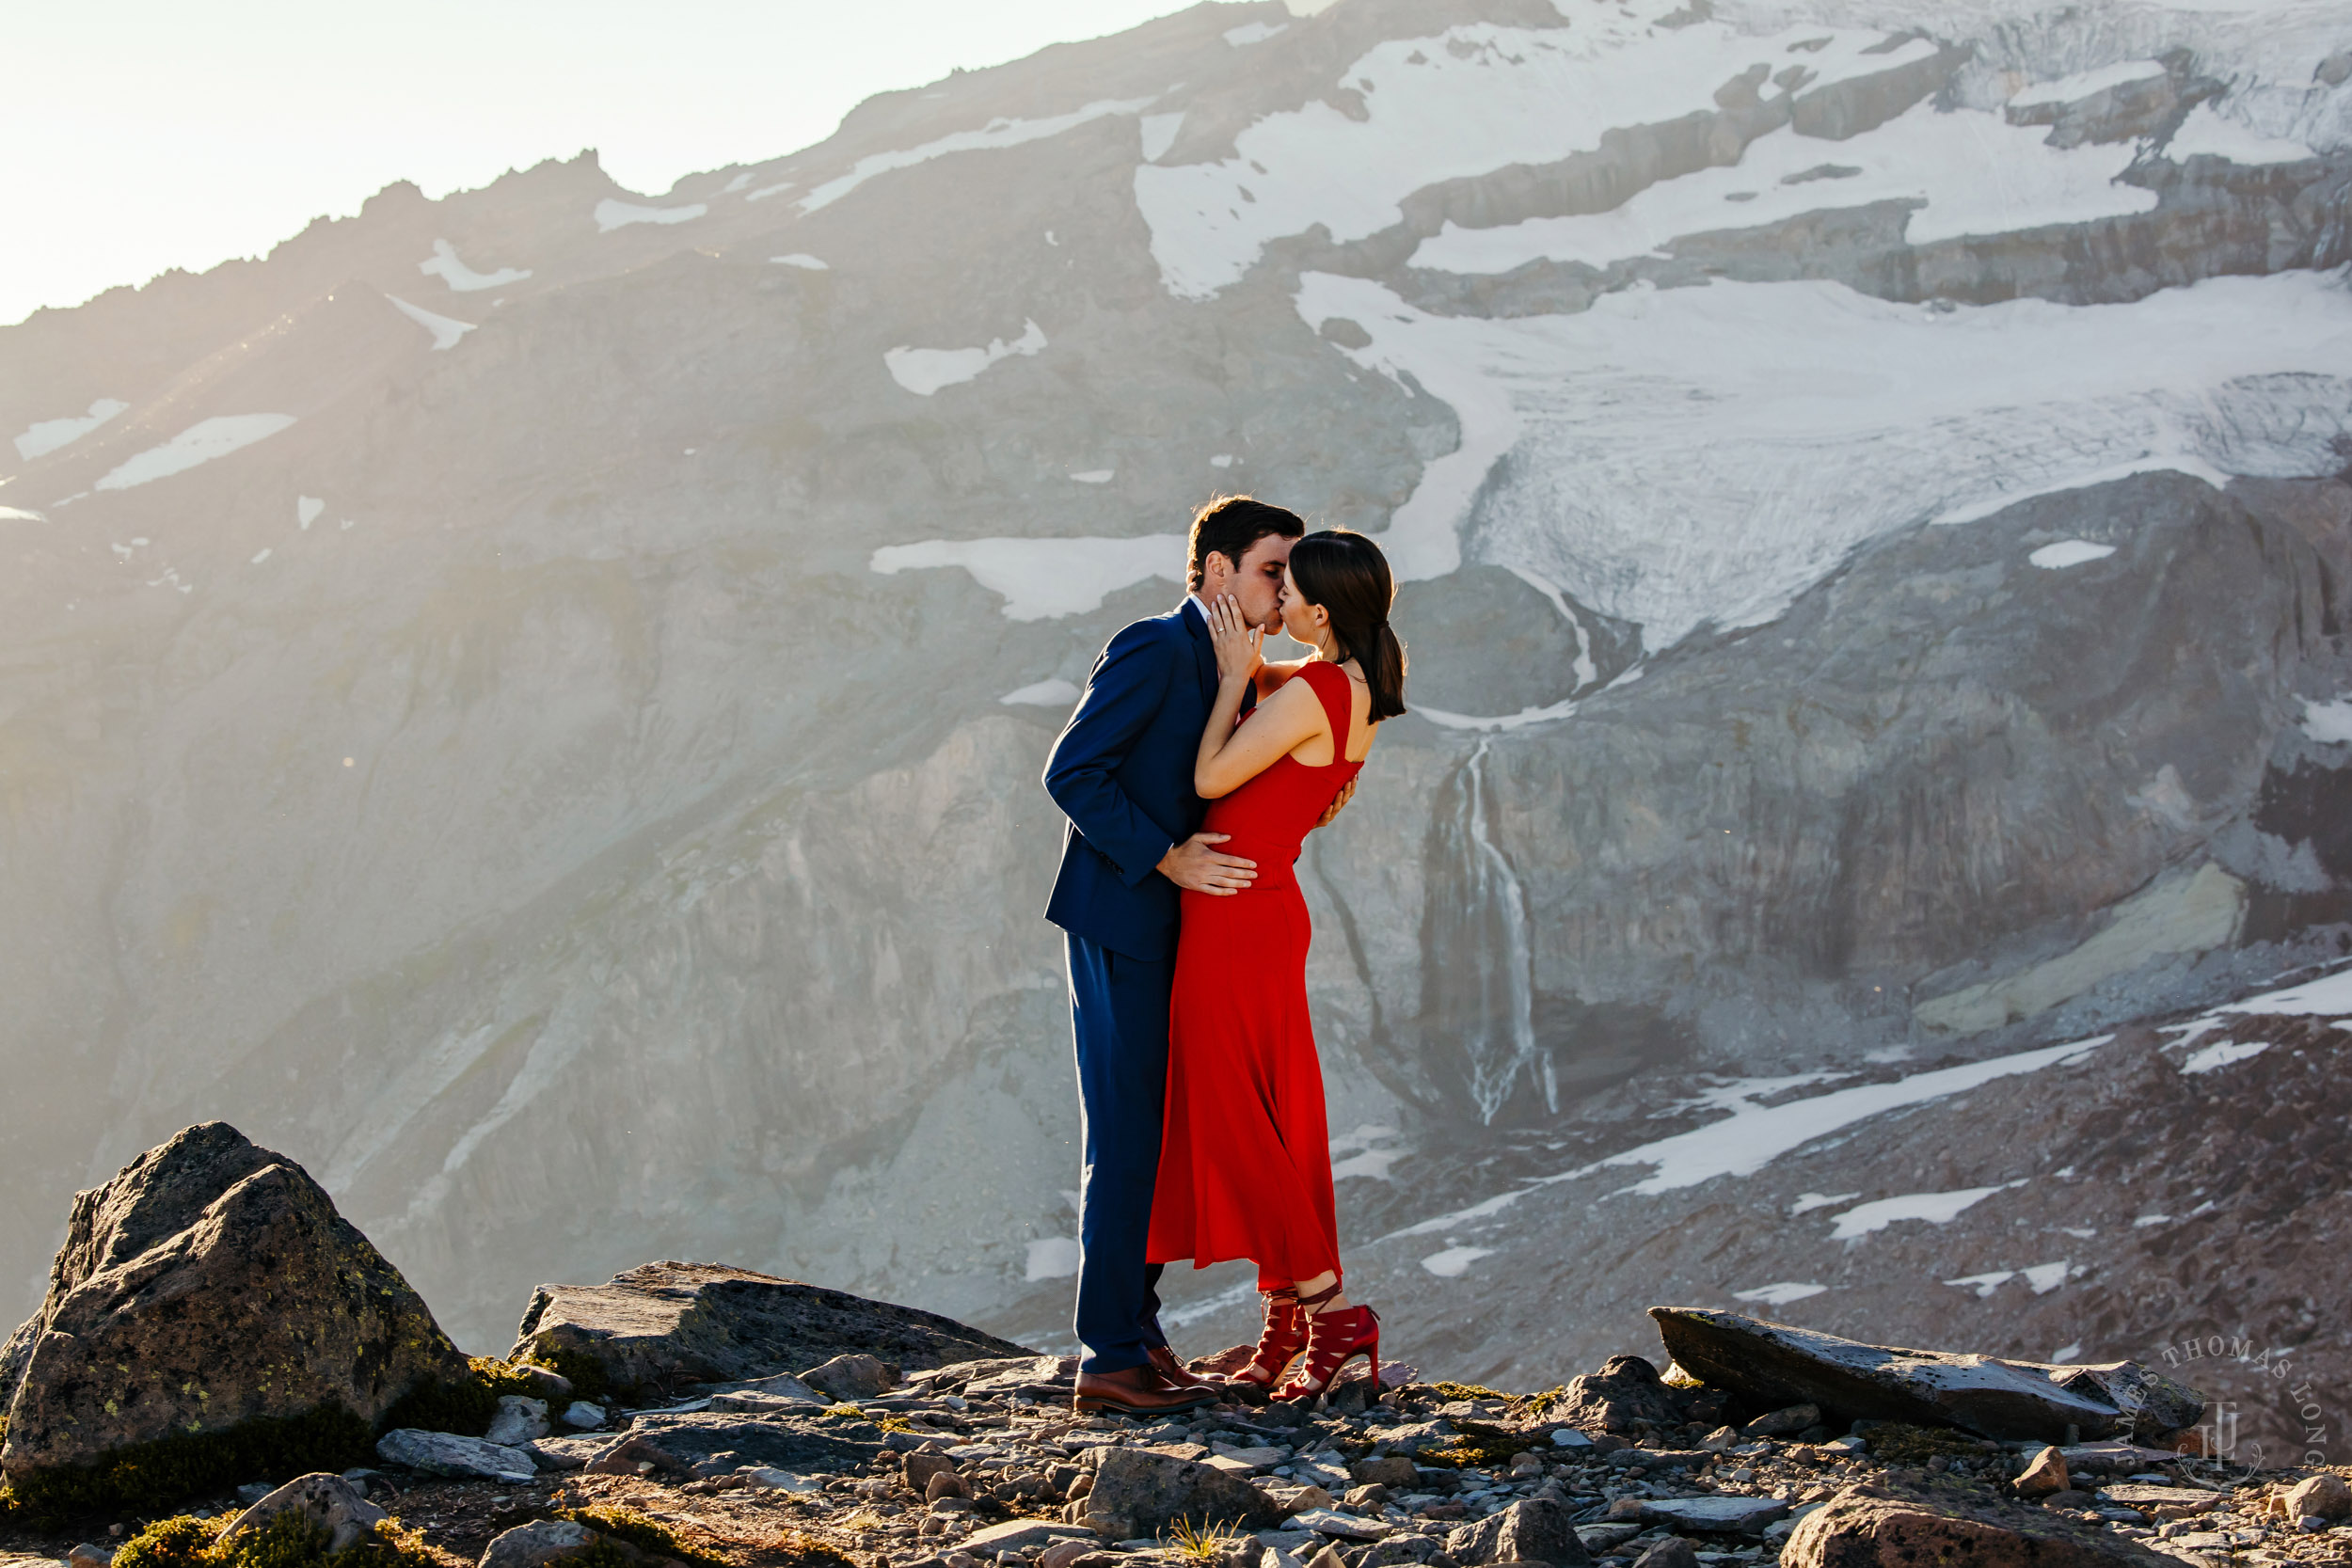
{"x":145,"y":136}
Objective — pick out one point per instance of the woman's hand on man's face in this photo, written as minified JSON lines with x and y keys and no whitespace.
{"x":1240,"y":646}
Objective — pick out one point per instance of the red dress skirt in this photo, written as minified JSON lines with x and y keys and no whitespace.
{"x":1245,"y":1154}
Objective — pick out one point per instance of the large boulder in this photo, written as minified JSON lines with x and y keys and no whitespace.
{"x":1882,"y":1527}
{"x":1772,"y":1364}
{"x":663,"y":1326}
{"x":339,"y":1507}
{"x":209,"y":1284}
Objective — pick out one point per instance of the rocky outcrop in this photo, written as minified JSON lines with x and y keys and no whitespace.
{"x":1537,"y":1529}
{"x":1882,"y":1526}
{"x":663,"y":1326}
{"x":1625,"y":1396}
{"x":211,"y":1283}
{"x":1775,"y":1363}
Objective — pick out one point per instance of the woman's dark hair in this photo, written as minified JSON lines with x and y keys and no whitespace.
{"x":1345,"y":573}
{"x":1228,"y":525}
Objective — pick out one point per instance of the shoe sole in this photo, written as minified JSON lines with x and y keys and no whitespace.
{"x":1095,"y":1404}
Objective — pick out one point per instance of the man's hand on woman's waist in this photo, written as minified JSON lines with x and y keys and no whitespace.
{"x":1196,"y":868}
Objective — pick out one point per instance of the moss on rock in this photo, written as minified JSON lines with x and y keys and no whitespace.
{"x":290,"y":1539}
{"x":150,"y":1476}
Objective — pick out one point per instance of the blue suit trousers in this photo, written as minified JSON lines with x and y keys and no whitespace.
{"x":1119,"y":1008}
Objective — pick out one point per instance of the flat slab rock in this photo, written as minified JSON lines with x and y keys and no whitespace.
{"x":1902,"y":1526}
{"x":445,"y":1453}
{"x":660,"y":1328}
{"x":785,"y":1442}
{"x":1777,"y":1364}
{"x":1731,"y":1515}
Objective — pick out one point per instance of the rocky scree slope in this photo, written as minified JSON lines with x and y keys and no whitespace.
{"x":538,"y":693}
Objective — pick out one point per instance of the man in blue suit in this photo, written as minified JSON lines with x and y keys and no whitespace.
{"x":1122,"y":772}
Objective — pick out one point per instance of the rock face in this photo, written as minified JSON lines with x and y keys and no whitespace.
{"x":210,"y":1283}
{"x":447,"y":1453}
{"x":1775,"y":1364}
{"x":1908,"y":1526}
{"x":661,"y":1327}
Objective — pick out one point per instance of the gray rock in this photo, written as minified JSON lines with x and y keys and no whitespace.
{"x":518,"y":1421}
{"x":1019,"y":1535}
{"x":1342,"y":1526}
{"x":566,"y":1453}
{"x":338,"y":1506}
{"x":253,"y":1492}
{"x":1673,"y":1552}
{"x":88,"y":1555}
{"x":663,"y":1325}
{"x":1780,"y":1423}
{"x":2045,"y":1473}
{"x":1728,"y":1514}
{"x":1777,"y":1364}
{"x":1534,"y":1529}
{"x":770,"y":1479}
{"x":851,"y":1377}
{"x":583,"y":1415}
{"x":210,"y":1282}
{"x":540,"y":1542}
{"x":1139,"y":1493}
{"x":446,"y":1454}
{"x":1623,"y":1394}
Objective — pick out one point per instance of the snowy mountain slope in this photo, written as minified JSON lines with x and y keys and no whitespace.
{"x":532,"y":701}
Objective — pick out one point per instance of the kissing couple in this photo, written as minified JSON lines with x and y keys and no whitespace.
{"x":1191,"y":772}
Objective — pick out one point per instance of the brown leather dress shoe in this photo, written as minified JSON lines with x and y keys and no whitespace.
{"x":1163,"y":1361}
{"x":1135,"y":1392}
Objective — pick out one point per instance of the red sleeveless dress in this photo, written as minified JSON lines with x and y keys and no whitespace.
{"x":1245,"y":1156}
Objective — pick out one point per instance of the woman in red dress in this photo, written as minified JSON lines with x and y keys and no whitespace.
{"x":1245,"y":1159}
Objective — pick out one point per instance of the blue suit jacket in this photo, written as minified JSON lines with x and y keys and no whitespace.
{"x":1122,"y":772}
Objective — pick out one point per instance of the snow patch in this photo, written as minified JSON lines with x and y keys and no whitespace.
{"x":1693,"y":456}
{"x":2082,"y":84}
{"x":2207,"y":132}
{"x":1780,"y":1293}
{"x":2329,"y":723}
{"x":2069,"y":552}
{"x":1970,"y":173}
{"x":997,"y":134}
{"x":1095,"y":476}
{"x":1934,"y":1208}
{"x":2330,"y":996}
{"x":2222,"y":1054}
{"x":306,"y":509}
{"x":18,"y":515}
{"x":1473,"y":100}
{"x":1983,"y":1284}
{"x":44,"y":436}
{"x":1254,"y":32}
{"x":1055,"y":692}
{"x":1222,"y":460}
{"x":1807,"y":1202}
{"x":1052,"y":1258}
{"x":200,"y":443}
{"x":463,"y":278}
{"x":1159,"y":134}
{"x":445,"y":330}
{"x":2045,"y":1277}
{"x":611,"y":215}
{"x":1450,"y":1263}
{"x":1038,"y":579}
{"x":1520,"y":721}
{"x":925,"y":370}
{"x":261,"y":556}
{"x":801,"y":259}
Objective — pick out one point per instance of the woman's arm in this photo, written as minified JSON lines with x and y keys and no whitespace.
{"x":1230,"y":756}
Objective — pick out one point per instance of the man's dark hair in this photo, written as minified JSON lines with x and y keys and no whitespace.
{"x":1228,"y":525}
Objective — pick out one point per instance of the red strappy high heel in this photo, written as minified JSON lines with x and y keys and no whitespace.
{"x":1278,"y":1342}
{"x":1333,"y":1340}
